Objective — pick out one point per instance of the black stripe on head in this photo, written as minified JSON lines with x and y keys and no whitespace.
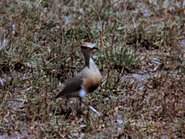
{"x":84,"y":47}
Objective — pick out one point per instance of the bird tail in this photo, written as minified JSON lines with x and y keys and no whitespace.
{"x":57,"y":96}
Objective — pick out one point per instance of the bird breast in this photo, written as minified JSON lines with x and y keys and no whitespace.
{"x":92,"y":78}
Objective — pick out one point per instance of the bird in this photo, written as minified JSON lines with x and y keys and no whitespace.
{"x":84,"y":82}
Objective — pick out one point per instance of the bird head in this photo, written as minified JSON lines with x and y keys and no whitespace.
{"x":87,"y":48}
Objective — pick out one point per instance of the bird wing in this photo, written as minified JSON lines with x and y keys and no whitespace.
{"x":72,"y":85}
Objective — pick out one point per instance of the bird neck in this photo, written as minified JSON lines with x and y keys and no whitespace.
{"x":87,"y":60}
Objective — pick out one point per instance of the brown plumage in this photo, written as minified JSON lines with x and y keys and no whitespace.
{"x":85,"y":81}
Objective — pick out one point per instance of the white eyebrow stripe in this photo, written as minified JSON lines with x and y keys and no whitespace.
{"x":90,"y":45}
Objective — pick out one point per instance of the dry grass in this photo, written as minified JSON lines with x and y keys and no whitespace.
{"x":141,"y":59}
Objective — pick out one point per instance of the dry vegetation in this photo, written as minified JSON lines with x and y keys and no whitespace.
{"x":141,"y":58}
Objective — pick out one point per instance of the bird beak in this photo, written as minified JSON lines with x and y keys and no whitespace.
{"x":95,"y":47}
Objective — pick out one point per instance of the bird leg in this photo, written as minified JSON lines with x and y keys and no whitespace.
{"x":94,"y":110}
{"x":67,"y":101}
